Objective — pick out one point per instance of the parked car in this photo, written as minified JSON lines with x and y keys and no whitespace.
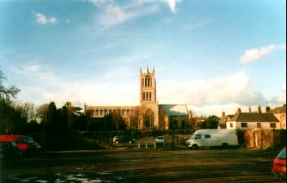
{"x":279,"y":165}
{"x":159,"y":140}
{"x":123,"y":139}
{"x":25,"y":144}
{"x":10,"y":149}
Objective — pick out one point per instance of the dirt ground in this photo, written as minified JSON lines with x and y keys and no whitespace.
{"x":143,"y":165}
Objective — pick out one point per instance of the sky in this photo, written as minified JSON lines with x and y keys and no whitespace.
{"x":214,"y":56}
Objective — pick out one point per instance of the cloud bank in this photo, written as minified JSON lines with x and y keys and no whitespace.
{"x":256,"y":54}
{"x":211,"y":96}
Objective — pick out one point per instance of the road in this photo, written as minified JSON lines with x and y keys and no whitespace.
{"x":143,"y":165}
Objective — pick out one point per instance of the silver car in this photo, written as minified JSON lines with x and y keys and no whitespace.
{"x":159,"y":140}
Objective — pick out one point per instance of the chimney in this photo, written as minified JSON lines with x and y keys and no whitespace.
{"x":223,"y":113}
{"x":249,"y":109}
{"x":239,"y":111}
{"x":259,"y":109}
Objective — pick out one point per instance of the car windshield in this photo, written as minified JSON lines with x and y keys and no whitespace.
{"x":160,"y":137}
{"x":282,"y":154}
{"x":193,"y":136}
{"x":29,"y":140}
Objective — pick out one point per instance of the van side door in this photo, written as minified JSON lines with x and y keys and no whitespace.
{"x":207,"y":140}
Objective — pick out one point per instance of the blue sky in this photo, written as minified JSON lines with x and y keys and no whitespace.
{"x":212,"y":55}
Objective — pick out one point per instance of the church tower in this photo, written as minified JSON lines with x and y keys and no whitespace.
{"x":148,"y":99}
{"x":147,"y":87}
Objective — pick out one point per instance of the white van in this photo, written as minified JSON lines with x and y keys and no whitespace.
{"x":212,"y":138}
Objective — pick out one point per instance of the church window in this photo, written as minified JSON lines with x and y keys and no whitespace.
{"x":101,"y":112}
{"x":128,"y":112}
{"x":97,"y":112}
{"x":124,"y":112}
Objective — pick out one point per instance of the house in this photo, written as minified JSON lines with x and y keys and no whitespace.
{"x":223,"y":119}
{"x":280,"y":114}
{"x":253,"y":120}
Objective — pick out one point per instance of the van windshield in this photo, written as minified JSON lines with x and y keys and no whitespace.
{"x":193,"y":136}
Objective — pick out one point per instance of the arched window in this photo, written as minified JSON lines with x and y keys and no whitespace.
{"x":149,"y":119}
{"x":124,"y":112}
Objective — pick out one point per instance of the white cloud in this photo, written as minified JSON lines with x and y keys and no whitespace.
{"x":36,"y":74}
{"x":172,"y":5}
{"x":42,"y":19}
{"x":281,"y":97}
{"x":114,"y":14}
{"x":235,"y":88}
{"x":256,"y":54}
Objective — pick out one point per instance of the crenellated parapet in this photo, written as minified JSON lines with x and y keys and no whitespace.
{"x":101,"y":111}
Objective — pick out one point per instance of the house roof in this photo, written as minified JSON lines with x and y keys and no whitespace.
{"x":223,"y":119}
{"x":254,"y":117}
{"x":277,"y":110}
{"x":174,"y":109}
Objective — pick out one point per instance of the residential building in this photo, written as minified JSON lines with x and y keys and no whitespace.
{"x":253,"y":120}
{"x":223,"y":119}
{"x":280,"y":114}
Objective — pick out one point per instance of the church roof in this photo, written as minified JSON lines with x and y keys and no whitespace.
{"x":174,"y":109}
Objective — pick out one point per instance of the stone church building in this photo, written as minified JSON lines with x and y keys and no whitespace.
{"x":149,"y":114}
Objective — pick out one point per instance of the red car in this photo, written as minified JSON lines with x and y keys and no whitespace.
{"x":25,"y":144}
{"x":279,"y":165}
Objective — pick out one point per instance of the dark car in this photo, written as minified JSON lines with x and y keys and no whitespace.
{"x":10,"y":149}
{"x":279,"y":165}
{"x":123,"y":139}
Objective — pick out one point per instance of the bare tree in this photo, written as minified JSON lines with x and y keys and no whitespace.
{"x":162,"y":122}
{"x":7,"y":92}
{"x":42,"y":113}
{"x":136,"y":116}
{"x":29,"y":111}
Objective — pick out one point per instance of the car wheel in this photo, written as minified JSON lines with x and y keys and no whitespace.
{"x":224,"y":146}
{"x":20,"y":154}
{"x":194,"y":146}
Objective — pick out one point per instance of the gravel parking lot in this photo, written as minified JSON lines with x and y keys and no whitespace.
{"x":143,"y":165}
